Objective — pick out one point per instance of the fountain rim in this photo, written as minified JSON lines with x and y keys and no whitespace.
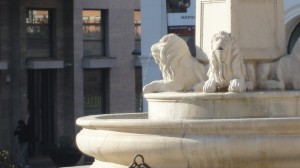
{"x":127,"y":122}
{"x":220,"y":96}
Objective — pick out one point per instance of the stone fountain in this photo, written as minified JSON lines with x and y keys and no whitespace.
{"x":235,"y":105}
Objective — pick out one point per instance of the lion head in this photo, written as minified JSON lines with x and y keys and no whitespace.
{"x":221,"y":45}
{"x":167,"y":53}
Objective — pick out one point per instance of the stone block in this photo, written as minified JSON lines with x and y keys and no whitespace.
{"x":257,"y":25}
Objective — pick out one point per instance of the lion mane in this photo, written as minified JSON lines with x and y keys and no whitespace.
{"x":180,"y":70}
{"x":227,"y":70}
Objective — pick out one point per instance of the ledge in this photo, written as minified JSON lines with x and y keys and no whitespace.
{"x":98,"y":62}
{"x":44,"y":64}
{"x":271,"y":104}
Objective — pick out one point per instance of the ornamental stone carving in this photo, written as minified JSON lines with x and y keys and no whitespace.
{"x":227,"y":70}
{"x":180,"y":70}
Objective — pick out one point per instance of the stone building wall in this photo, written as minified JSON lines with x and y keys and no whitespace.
{"x":67,"y":54}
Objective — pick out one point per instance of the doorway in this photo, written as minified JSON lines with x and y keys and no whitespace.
{"x":40,"y":89}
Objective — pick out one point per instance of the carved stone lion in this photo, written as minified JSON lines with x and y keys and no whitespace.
{"x":281,"y":74}
{"x":227,"y":70}
{"x":180,"y":70}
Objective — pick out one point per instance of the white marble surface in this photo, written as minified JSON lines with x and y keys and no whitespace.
{"x":168,"y":106}
{"x":234,"y":143}
{"x":180,"y":71}
{"x":257,"y":25}
{"x":227,"y":71}
{"x":281,"y":74}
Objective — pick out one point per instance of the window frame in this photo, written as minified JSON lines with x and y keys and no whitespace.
{"x":104,"y":72}
{"x":103,"y":33}
{"x":51,"y":31}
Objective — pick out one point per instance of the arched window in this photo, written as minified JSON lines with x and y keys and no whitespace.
{"x":293,"y":39}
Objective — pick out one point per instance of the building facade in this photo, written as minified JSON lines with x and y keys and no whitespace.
{"x":60,"y":60}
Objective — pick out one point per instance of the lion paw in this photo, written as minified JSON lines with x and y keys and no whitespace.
{"x":199,"y":87}
{"x":249,"y":85}
{"x":147,"y":89}
{"x":236,"y":85}
{"x":152,"y":87}
{"x":210,"y":86}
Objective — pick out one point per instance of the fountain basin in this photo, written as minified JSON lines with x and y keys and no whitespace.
{"x":113,"y":140}
{"x":223,"y":105}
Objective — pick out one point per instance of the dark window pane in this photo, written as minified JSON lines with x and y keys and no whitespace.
{"x":138,"y":89}
{"x":92,"y":48}
{"x":94,"y":91}
{"x":177,"y":6}
{"x":38,"y":33}
{"x":137,"y":28}
{"x":93,"y":33}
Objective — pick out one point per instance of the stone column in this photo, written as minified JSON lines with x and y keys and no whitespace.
{"x":6,"y":123}
{"x":258,"y":26}
{"x":73,"y":86}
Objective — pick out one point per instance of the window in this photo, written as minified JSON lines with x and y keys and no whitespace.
{"x":94,"y":91}
{"x":137,"y":31}
{"x":38,"y":31}
{"x":177,"y":6}
{"x":138,"y":69}
{"x":138,"y":89}
{"x":181,"y":20}
{"x":293,"y":39}
{"x":93,"y":33}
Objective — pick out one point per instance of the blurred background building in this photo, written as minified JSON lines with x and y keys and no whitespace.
{"x":62,"y":59}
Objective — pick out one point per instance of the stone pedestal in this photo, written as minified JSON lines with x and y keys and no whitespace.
{"x":258,"y":26}
{"x":197,"y":106}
